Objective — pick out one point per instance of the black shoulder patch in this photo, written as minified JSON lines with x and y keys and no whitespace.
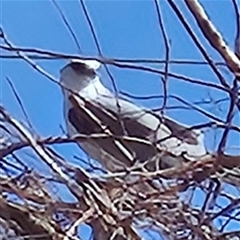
{"x":83,"y":123}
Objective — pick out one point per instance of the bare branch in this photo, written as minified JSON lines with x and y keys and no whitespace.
{"x":213,"y":36}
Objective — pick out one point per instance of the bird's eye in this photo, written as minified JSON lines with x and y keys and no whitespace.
{"x":82,"y":68}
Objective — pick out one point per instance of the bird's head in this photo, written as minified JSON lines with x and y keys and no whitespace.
{"x":78,"y":73}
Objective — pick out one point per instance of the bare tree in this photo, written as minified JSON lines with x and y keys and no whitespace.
{"x":104,"y":200}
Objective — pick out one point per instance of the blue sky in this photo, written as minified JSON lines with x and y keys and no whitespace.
{"x":125,"y":29}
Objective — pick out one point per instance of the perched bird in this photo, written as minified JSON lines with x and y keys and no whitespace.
{"x":133,"y":134}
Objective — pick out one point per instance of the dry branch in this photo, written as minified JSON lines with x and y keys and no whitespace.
{"x":213,"y":36}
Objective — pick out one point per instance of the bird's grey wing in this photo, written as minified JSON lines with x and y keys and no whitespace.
{"x":171,"y":136}
{"x":125,"y":118}
{"x":101,"y":120}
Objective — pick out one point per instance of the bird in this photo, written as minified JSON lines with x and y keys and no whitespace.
{"x":131,"y":135}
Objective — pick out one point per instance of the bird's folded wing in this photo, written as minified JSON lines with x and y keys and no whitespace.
{"x":105,"y":115}
{"x":171,"y":136}
{"x":89,"y":118}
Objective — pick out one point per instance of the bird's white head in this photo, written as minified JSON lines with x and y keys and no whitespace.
{"x":78,"y":73}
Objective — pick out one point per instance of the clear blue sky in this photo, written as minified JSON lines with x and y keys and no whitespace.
{"x":125,"y":29}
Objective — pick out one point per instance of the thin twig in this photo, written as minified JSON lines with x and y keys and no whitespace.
{"x":167,"y":53}
{"x":67,"y":24}
{"x":20,"y":103}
